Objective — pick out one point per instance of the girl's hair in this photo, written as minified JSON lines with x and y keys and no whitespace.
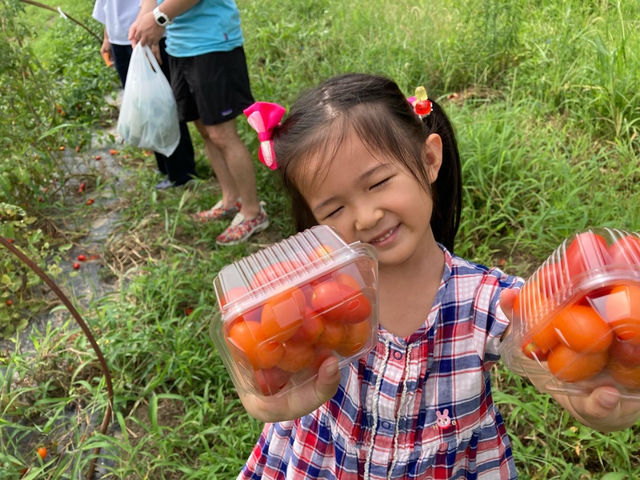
{"x":375,"y":109}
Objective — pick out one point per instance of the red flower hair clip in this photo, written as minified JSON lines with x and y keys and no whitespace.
{"x":420,"y":102}
{"x":263,"y":118}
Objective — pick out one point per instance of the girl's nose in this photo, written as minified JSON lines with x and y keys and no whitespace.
{"x":367,"y":217}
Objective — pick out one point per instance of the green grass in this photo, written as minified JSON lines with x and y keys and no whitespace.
{"x":544,"y":97}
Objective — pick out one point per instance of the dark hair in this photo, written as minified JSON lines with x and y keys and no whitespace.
{"x":377,"y":111}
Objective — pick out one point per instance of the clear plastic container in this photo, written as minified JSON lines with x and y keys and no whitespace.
{"x":577,"y":318}
{"x":287,"y":307}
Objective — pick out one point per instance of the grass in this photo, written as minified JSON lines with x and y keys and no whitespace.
{"x":544,"y":97}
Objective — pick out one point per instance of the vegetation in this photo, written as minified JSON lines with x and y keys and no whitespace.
{"x":544,"y":96}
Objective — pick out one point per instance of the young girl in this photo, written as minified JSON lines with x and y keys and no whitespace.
{"x":355,"y":155}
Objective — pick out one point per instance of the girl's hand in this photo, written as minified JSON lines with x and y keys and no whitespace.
{"x":298,"y":402}
{"x":603,"y":409}
{"x":145,"y":30}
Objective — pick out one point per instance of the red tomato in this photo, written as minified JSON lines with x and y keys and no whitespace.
{"x":340,"y":303}
{"x":624,"y":374}
{"x":297,"y":356}
{"x":625,"y":352}
{"x":571,"y":366}
{"x":311,"y":328}
{"x":271,"y":381}
{"x":549,"y":278}
{"x":232,"y":294}
{"x":626,"y":250}
{"x":273,"y":272}
{"x":582,"y":329}
{"x":282,"y":315}
{"x":622,"y":310}
{"x":588,"y":250}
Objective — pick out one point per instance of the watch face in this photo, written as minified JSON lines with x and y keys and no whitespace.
{"x":162,"y":20}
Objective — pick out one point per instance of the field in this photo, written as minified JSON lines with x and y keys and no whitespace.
{"x":545,"y":99}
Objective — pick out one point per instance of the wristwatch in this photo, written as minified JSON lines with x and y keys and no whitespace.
{"x":161,"y":17}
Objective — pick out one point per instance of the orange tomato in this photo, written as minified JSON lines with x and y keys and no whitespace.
{"x":271,"y":381}
{"x":542,"y":340}
{"x":249,"y":339}
{"x":42,"y":452}
{"x":282,"y":314}
{"x":624,"y":374}
{"x":587,"y":250}
{"x":571,"y":366}
{"x":549,"y":277}
{"x":622,"y":310}
{"x":582,"y":329}
{"x":356,"y":336}
{"x":320,"y":251}
{"x":297,"y":356}
{"x":625,"y":250}
{"x":529,"y":302}
{"x":332,"y":335}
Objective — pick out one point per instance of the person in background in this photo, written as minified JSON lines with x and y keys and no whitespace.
{"x":210,"y":81}
{"x":117,"y":17}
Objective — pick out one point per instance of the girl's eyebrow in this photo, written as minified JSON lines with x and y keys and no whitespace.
{"x":369,"y":173}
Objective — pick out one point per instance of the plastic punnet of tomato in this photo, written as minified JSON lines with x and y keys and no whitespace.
{"x":577,"y":318}
{"x":284,"y":309}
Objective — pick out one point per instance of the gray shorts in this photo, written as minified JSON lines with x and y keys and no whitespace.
{"x":213,"y":87}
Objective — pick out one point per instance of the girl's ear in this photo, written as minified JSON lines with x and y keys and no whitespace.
{"x":433,"y":156}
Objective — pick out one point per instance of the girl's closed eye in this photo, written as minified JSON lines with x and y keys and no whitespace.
{"x":379,"y":184}
{"x":332,"y":213}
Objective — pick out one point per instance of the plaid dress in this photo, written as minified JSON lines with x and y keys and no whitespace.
{"x":415,"y":407}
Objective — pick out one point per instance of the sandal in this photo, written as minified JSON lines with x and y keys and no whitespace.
{"x":241,"y":229}
{"x":218,"y":212}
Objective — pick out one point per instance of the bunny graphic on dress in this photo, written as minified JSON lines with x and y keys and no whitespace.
{"x":443,"y":421}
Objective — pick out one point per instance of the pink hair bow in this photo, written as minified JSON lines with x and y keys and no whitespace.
{"x":263,"y":118}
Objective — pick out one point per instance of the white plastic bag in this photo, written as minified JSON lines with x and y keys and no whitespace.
{"x":148,"y":114}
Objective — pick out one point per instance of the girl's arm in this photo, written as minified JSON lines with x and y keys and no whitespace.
{"x":603,"y":409}
{"x":145,"y":30}
{"x":298,"y":402}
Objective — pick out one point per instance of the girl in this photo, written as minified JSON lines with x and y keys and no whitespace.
{"x":355,"y":155}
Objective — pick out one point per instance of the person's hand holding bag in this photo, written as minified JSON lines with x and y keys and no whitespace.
{"x":148,"y":115}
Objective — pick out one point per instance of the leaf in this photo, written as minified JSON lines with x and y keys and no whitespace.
{"x":615,"y":476}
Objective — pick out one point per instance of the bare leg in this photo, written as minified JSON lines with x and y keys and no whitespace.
{"x":233,"y":167}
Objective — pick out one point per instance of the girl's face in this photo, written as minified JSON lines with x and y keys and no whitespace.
{"x":371,"y":198}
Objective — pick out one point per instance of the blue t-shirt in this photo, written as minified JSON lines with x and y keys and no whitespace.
{"x":208,"y":26}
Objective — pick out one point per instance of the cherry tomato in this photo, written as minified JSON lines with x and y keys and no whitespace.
{"x":273,"y":272}
{"x":339,"y":302}
{"x":249,"y":339}
{"x":622,"y":310}
{"x":311,"y":328}
{"x":624,"y":374}
{"x":588,"y":250}
{"x":297,"y":356}
{"x":271,"y":381}
{"x":82,"y":257}
{"x":550,"y":278}
{"x":42,"y":452}
{"x":582,"y":329}
{"x":625,"y":250}
{"x":332,"y":335}
{"x":232,"y":294}
{"x":530,"y":301}
{"x":282,"y":315}
{"x":571,"y":366}
{"x":356,"y":337}
{"x":624,"y":352}
{"x":320,"y":251}
{"x":542,"y":340}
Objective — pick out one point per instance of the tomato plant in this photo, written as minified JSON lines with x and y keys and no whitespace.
{"x":582,"y":329}
{"x":571,"y":366}
{"x":625,"y":250}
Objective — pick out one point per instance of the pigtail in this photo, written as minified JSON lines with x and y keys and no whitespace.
{"x":447,"y":189}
